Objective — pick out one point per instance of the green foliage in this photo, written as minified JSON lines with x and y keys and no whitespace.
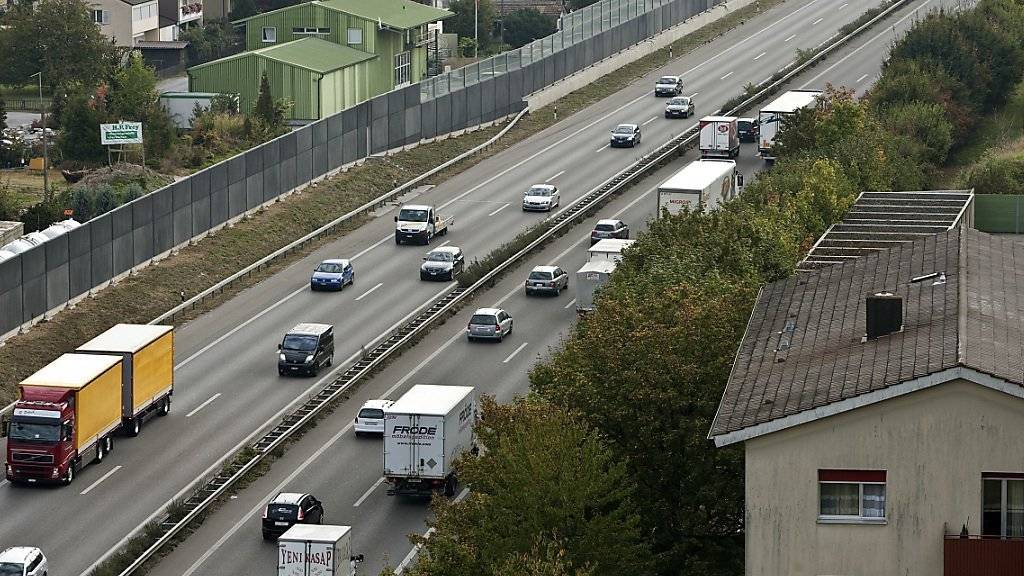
{"x":544,"y":560}
{"x":57,"y":36}
{"x":267,"y":118}
{"x":996,"y":174}
{"x":577,"y":4}
{"x":214,"y":39}
{"x":243,"y":9}
{"x":544,"y":480}
{"x":80,"y":133}
{"x":465,"y":16}
{"x":3,"y":113}
{"x":89,"y":202}
{"x":477,"y":269}
{"x":924,"y":125}
{"x":526,"y":25}
{"x":467,"y":47}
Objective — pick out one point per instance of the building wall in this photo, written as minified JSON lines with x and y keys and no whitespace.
{"x":934,"y":445}
{"x":343,"y":88}
{"x":242,"y":76}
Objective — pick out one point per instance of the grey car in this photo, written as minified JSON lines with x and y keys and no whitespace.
{"x":625,"y":135}
{"x":489,"y":324}
{"x":547,"y":280}
{"x":442,"y":263}
{"x":679,"y":107}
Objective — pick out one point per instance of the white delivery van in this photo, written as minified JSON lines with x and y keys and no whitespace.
{"x":773,"y":114}
{"x":589,"y":279}
{"x":316,"y":550}
{"x":608,"y":249}
{"x":719,"y":137}
{"x":706,"y":183}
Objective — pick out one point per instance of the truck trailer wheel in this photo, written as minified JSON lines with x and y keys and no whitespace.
{"x":449,"y":487}
{"x":134,"y":426}
{"x":165,"y":406}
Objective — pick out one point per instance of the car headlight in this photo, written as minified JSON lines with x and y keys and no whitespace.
{"x":281,"y":357}
{"x":309,"y":358}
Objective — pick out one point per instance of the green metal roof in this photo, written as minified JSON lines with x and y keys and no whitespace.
{"x":313,"y":54}
{"x":403,"y":14}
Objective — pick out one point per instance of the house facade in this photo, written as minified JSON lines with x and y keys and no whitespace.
{"x":879,"y":401}
{"x":127,"y":21}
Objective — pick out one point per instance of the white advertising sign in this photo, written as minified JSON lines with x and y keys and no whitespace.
{"x":121,"y":133}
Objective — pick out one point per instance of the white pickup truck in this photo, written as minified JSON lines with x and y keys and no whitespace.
{"x":420,"y":223}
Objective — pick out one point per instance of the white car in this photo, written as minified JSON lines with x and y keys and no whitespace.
{"x":541,"y":197}
{"x":23,"y":561}
{"x":370,"y":419}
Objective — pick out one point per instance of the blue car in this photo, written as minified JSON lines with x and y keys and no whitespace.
{"x":332,"y":275}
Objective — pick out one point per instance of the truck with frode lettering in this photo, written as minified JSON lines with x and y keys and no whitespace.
{"x":425,"y":432}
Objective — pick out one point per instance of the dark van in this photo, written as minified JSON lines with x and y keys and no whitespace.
{"x":305,"y":349}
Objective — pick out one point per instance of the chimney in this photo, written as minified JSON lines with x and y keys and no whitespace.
{"x":885,"y":314}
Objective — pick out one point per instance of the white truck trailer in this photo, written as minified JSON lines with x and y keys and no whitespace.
{"x":608,"y":249}
{"x":425,"y":431}
{"x":706,"y":183}
{"x":316,"y":550}
{"x":719,"y":137}
{"x":589,"y":279}
{"x":771,"y":117}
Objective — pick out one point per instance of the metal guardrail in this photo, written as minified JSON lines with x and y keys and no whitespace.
{"x":294,"y":422}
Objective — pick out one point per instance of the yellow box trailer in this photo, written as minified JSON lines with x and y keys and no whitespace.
{"x":65,"y":416}
{"x":148,"y":375}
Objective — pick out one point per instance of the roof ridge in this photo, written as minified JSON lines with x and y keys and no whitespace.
{"x":961,"y":294}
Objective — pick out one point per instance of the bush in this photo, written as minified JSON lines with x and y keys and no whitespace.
{"x":1002,"y":174}
{"x":925,"y":126}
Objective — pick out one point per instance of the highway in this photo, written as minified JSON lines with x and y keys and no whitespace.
{"x":227,"y":384}
{"x":344,"y":471}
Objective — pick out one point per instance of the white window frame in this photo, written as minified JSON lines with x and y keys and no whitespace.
{"x":310,"y":31}
{"x":354,"y":36}
{"x":403,"y":69}
{"x":859,"y":518}
{"x":1003,"y":479}
{"x":270,"y":38}
{"x":104,"y":16}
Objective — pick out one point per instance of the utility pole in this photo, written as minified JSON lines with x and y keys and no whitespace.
{"x":476,"y":27}
{"x":46,"y":153}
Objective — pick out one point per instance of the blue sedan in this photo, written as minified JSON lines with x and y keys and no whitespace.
{"x":332,"y":275}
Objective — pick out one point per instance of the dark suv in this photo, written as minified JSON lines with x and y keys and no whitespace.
{"x":305,"y":349}
{"x":288,"y":509}
{"x":747,"y":129}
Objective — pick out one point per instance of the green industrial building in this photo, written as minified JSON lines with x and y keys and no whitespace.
{"x":325,"y":55}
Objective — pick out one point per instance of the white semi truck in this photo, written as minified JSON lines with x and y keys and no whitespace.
{"x":706,"y":183}
{"x":589,"y":279}
{"x":425,"y":432}
{"x":719,"y":137}
{"x":316,"y":550}
{"x":772,"y":115}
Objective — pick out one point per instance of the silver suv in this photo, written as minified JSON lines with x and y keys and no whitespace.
{"x":547,"y":279}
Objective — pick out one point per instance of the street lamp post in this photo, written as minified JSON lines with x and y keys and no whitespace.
{"x":46,"y":153}
{"x":476,"y":27}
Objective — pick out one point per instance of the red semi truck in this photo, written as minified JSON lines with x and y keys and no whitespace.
{"x":68,"y":412}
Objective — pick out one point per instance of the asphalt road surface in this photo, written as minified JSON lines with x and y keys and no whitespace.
{"x":227,"y":384}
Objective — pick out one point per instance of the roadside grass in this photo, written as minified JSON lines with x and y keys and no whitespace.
{"x":1000,"y":133}
{"x":26,"y":186}
{"x":195,"y":268}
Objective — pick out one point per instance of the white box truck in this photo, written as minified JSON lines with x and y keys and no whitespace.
{"x":316,"y":550}
{"x":425,"y":431}
{"x":608,"y":249}
{"x":719,"y":137}
{"x":706,"y":183}
{"x":771,"y":117}
{"x":589,"y":279}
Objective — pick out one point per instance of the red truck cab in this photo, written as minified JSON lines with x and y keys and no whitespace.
{"x":40,"y":439}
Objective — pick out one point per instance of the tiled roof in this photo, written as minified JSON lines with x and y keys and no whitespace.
{"x":804,"y":350}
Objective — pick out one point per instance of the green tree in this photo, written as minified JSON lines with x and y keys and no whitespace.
{"x":264,"y":110}
{"x":996,"y":173}
{"x":543,"y":478}
{"x":546,"y":559}
{"x":80,"y":133}
{"x":267,"y":118}
{"x":925,"y":126}
{"x":526,"y":25}
{"x":462,"y":22}
{"x":60,"y":38}
{"x":243,"y":9}
{"x":132,"y":91}
{"x":215,"y":39}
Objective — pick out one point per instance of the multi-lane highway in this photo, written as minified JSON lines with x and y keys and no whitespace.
{"x":227,"y":384}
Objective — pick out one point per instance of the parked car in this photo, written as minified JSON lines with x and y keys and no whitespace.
{"x":609,"y":229}
{"x":541,"y":197}
{"x":668,"y":86}
{"x":288,"y":509}
{"x":305,"y":349}
{"x":370,"y":419}
{"x":23,"y":561}
{"x":489,"y":324}
{"x":625,"y":135}
{"x":679,"y":107}
{"x":332,"y":275}
{"x":747,"y":129}
{"x":546,"y":279}
{"x":442,"y":263}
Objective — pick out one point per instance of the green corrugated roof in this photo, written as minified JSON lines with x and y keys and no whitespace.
{"x":403,"y":14}
{"x":313,"y":54}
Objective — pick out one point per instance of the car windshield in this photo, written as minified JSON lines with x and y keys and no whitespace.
{"x":666,"y":80}
{"x":329,"y":267}
{"x":295,"y":342}
{"x":371,"y":413}
{"x":624,"y":129}
{"x":605,"y":227}
{"x":9,"y":569}
{"x":440,"y":257}
{"x":410,"y":215}
{"x":536,"y":275}
{"x":539,"y":192}
{"x":679,"y":101}
{"x":743,"y":124}
{"x":484,"y":319}
{"x":33,"y":432}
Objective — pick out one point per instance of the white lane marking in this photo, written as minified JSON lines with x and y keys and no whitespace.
{"x":372,"y":246}
{"x":758,"y":57}
{"x":368,"y":492}
{"x":843,"y":6}
{"x":500,"y":208}
{"x":203,"y":405}
{"x":790,"y":38}
{"x":571,"y":302}
{"x":694,"y":94}
{"x":445,"y":243}
{"x":816,"y":22}
{"x":649,"y":121}
{"x":861,"y":79}
{"x":367,"y":293}
{"x":555,"y":176}
{"x":727,"y":75}
{"x":888,"y":30}
{"x":102,"y":478}
{"x":514,"y":352}
{"x":3,"y":483}
{"x":603,"y":147}
{"x":415,"y":549}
